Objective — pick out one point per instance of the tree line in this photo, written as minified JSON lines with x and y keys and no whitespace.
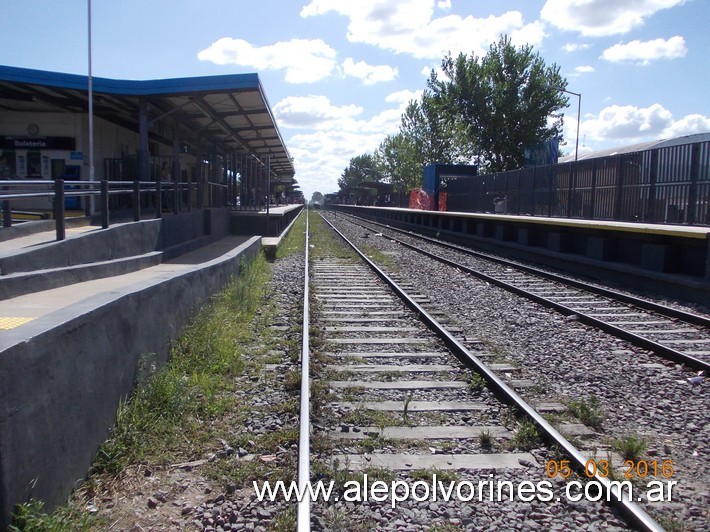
{"x":482,"y":110}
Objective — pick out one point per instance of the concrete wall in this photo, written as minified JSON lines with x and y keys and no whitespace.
{"x":60,"y":389}
{"x":259,"y":223}
{"x":123,"y":240}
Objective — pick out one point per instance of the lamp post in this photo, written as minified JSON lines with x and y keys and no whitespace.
{"x":579,"y":108}
{"x":91,"y":107}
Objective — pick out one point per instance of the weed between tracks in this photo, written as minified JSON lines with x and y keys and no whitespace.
{"x":588,"y":411}
{"x":630,"y":446}
{"x":181,"y":412}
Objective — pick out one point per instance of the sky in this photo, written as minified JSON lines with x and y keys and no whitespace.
{"x":339,"y":73}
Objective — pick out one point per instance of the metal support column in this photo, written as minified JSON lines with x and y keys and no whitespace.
{"x":104,"y":204}
{"x":198,"y":178}
{"x":175,"y":170}
{"x":653,"y":171}
{"x":692,"y":209}
{"x":59,"y":208}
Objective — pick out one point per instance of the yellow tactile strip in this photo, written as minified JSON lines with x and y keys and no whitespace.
{"x":7,"y":323}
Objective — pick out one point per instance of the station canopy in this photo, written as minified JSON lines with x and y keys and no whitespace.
{"x":230,"y":112}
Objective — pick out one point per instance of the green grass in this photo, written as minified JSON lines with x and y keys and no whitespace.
{"x":30,"y":517}
{"x":630,"y":446}
{"x":588,"y":411}
{"x":171,"y":407}
{"x":476,"y":383}
{"x":527,"y":436}
{"x":327,"y":244}
{"x":485,"y":439}
{"x":379,"y":258}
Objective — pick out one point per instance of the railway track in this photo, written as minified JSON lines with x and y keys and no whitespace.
{"x":677,"y":335}
{"x":402,"y":399}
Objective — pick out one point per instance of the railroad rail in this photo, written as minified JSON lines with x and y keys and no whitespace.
{"x":382,"y":345}
{"x":674,"y":334}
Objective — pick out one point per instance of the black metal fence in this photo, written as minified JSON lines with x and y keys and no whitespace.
{"x":662,"y":185}
{"x":164,"y":195}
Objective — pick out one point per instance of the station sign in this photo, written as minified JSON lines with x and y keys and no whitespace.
{"x":38,"y":143}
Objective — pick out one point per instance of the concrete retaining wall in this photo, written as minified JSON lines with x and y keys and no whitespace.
{"x":60,"y":389}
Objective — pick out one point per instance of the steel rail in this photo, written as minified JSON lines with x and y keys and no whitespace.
{"x":641,"y":341}
{"x":304,"y":438}
{"x":663,"y":350}
{"x":634,"y":513}
{"x":689,"y":317}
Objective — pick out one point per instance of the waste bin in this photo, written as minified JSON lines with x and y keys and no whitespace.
{"x":500,"y":205}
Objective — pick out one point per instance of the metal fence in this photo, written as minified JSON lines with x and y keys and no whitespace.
{"x":662,"y":185}
{"x":164,"y":195}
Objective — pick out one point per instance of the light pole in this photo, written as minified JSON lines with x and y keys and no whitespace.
{"x":579,"y":108}
{"x":91,"y":108}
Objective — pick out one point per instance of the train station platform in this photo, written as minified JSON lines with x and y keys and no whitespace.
{"x":671,"y":260}
{"x":77,"y":317}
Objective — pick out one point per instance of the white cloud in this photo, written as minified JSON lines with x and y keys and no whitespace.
{"x":369,"y":74}
{"x":644,"y":52}
{"x":318,"y":113}
{"x":314,"y":112}
{"x":321,"y":157}
{"x":404,"y":97}
{"x":409,"y":26}
{"x":331,"y":135}
{"x":584,"y":69}
{"x":627,"y":124}
{"x":532,"y":33}
{"x":575,"y":46}
{"x":596,"y":18}
{"x":689,"y":125}
{"x":305,"y":61}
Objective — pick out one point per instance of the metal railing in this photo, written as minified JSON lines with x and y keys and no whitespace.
{"x":662,"y":185}
{"x":58,"y":190}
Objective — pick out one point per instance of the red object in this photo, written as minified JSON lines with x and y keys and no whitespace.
{"x":442,"y":201}
{"x":418,"y":199}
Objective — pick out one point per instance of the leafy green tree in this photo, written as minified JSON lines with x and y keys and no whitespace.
{"x":437,"y":135}
{"x":400,"y":162}
{"x":361,"y":168}
{"x":508,"y":99}
{"x":317,"y":198}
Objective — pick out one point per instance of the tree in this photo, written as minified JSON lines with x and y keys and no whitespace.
{"x":508,"y":100}
{"x":437,"y":135}
{"x":400,"y":162}
{"x":316,"y":199}
{"x":361,"y":168}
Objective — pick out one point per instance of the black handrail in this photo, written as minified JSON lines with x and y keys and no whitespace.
{"x":102,"y":189}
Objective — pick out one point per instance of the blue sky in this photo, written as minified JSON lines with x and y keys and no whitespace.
{"x":338,"y":73}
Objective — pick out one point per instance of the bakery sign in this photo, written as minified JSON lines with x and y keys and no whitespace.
{"x":39,"y":143}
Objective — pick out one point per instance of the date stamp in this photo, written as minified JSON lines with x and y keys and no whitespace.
{"x":631,"y":469}
{"x":602,"y":477}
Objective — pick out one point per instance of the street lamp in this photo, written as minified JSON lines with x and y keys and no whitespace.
{"x":579,"y":107}
{"x":91,"y":106}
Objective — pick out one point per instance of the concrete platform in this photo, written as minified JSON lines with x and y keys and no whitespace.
{"x":69,"y":354}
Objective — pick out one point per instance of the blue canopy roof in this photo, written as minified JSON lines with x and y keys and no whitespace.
{"x":230,"y":111}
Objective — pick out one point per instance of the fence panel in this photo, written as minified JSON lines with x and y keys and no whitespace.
{"x":662,"y":185}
